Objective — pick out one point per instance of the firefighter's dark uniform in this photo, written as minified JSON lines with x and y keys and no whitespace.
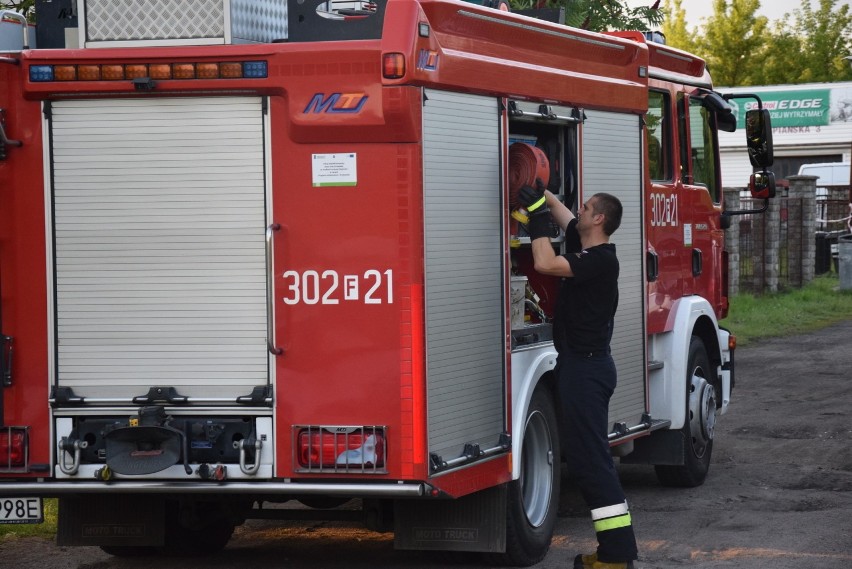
{"x":586,"y":380}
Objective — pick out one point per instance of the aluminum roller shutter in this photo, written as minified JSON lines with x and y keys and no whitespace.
{"x":612,"y":163}
{"x":159,"y":219}
{"x":465,"y":342}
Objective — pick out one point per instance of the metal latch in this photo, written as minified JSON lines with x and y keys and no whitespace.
{"x":4,"y":140}
{"x":6,"y":360}
{"x":161,"y":394}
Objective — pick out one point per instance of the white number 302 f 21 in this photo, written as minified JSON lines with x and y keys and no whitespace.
{"x":330,"y":287}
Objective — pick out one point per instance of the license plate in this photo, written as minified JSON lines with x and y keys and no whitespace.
{"x":21,"y":511}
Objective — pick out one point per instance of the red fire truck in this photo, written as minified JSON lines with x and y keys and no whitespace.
{"x":257,"y":257}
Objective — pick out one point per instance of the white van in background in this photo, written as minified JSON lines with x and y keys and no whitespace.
{"x":832,"y":214}
{"x":830,"y":173}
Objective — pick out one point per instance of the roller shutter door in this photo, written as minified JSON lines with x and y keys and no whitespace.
{"x":612,"y":163}
{"x":159,"y":251}
{"x":465,"y":341}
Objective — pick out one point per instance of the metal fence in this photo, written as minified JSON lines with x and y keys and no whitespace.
{"x":834,"y":206}
{"x":771,"y":250}
{"x":833,"y":219}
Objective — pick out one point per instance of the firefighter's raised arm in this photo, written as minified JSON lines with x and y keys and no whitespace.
{"x":537,"y":202}
{"x":560,"y":212}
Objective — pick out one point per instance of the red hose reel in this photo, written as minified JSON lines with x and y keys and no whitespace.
{"x":527,"y":163}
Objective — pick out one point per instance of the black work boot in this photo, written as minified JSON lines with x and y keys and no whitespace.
{"x":591,"y":562}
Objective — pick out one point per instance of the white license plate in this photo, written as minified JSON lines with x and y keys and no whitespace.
{"x":21,"y":511}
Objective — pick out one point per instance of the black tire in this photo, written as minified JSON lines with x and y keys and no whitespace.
{"x":204,"y":530}
{"x":323,"y":502}
{"x":533,"y":499}
{"x":698,"y":428}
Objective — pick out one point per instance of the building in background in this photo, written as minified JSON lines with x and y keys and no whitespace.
{"x":811,"y":123}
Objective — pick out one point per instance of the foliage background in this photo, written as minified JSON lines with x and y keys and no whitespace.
{"x":23,"y":6}
{"x":740,"y":47}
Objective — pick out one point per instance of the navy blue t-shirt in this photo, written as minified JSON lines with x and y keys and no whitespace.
{"x":588,"y":300}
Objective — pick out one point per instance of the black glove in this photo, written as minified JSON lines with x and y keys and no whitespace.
{"x":532,"y":199}
{"x":540,"y":225}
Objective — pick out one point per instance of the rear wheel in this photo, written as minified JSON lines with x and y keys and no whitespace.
{"x":533,"y":499}
{"x":700,"y":423}
{"x":197,"y":528}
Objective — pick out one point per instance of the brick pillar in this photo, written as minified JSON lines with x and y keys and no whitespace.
{"x":771,"y":246}
{"x":758,"y":250}
{"x":803,"y":204}
{"x":732,"y":240}
{"x":766,"y":233}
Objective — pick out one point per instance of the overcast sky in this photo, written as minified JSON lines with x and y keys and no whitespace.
{"x":698,"y":9}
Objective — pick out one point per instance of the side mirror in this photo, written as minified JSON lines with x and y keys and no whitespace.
{"x":726,"y":122}
{"x":762,"y":185}
{"x":725,"y":118}
{"x":759,"y":137}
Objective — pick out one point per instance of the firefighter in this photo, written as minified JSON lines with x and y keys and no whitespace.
{"x":586,"y":375}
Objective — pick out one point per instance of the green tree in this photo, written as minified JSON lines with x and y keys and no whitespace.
{"x":674,"y":27}
{"x":779,"y":60}
{"x":815,"y":44}
{"x":601,"y":15}
{"x":733,"y":36}
{"x":25,"y":7}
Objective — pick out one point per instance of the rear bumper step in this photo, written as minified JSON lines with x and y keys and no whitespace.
{"x":48,"y":489}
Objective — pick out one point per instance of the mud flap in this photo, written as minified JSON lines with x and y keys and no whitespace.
{"x":112,"y":520}
{"x":476,"y":522}
{"x":662,"y":447}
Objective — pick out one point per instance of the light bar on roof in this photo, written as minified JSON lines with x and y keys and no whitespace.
{"x":157,"y":71}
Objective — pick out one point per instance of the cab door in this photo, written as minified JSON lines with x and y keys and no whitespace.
{"x":664,"y":256}
{"x":702,"y":235}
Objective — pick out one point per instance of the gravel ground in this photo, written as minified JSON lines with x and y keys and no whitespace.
{"x":779,"y":494}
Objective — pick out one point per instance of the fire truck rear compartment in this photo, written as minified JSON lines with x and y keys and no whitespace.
{"x":158,"y":221}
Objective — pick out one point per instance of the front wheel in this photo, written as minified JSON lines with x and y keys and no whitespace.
{"x":699,"y":426}
{"x":533,"y":499}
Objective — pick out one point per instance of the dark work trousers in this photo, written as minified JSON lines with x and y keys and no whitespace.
{"x":586,"y":383}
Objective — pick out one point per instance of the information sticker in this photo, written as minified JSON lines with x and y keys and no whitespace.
{"x":334,"y":170}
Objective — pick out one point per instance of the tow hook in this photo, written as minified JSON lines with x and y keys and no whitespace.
{"x":72,"y":447}
{"x":244,"y":445}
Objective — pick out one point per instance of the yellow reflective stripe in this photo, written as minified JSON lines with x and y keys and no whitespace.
{"x":537,"y":204}
{"x":613,"y":523}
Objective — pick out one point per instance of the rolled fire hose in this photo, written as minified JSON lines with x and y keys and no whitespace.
{"x":527,"y":163}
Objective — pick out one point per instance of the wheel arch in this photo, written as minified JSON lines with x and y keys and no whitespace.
{"x":691,"y":316}
{"x":530,"y":369}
